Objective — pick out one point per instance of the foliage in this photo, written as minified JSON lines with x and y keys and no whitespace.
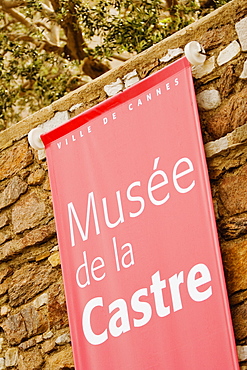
{"x":46,"y":45}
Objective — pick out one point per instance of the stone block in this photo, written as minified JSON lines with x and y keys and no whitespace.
{"x":54,"y":259}
{"x":29,"y":281}
{"x":14,"y":328}
{"x":233,"y":192}
{"x":14,"y":159}
{"x":241,"y":29}
{"x":63,"y":339}
{"x":11,"y":357}
{"x":32,"y":359}
{"x":227,"y":81}
{"x":114,"y":87}
{"x":10,"y":249}
{"x":234,"y":256}
{"x":28,"y":212}
{"x":242,"y":353}
{"x":57,"y":310}
{"x":39,"y":235}
{"x":27,"y":344}
{"x":2,"y":363}
{"x":48,"y":346}
{"x":239,"y":318}
{"x":215,"y":37}
{"x":4,"y":287}
{"x":4,"y":237}
{"x":5,"y":309}
{"x":35,"y":321}
{"x":208,"y":99}
{"x":4,"y":219}
{"x":37,"y":177}
{"x":230,"y":52}
{"x":61,"y":360}
{"x":244,"y":71}
{"x":12,"y":192}
{"x":24,"y":324}
{"x":230,"y":115}
{"x":41,"y":300}
{"x":233,"y":227}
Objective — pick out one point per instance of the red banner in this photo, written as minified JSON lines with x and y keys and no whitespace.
{"x":139,"y":248}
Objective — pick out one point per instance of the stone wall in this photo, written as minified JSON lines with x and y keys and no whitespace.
{"x":34,"y":331}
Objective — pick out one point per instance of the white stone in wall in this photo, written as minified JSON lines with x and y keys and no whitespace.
{"x":242,"y":353}
{"x":41,"y":300}
{"x":5,"y":310}
{"x":11,"y":357}
{"x":208,"y":99}
{"x":114,"y":88}
{"x":244,"y":71}
{"x":131,"y":78}
{"x":215,"y":147}
{"x":58,"y":119}
{"x":63,"y":339}
{"x":230,"y":52}
{"x":74,"y":107}
{"x":172,"y":53}
{"x":241,"y":28}
{"x":204,"y":69}
{"x":2,"y":364}
{"x":48,"y":335}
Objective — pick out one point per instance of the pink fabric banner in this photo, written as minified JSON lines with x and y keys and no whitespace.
{"x":139,"y":249}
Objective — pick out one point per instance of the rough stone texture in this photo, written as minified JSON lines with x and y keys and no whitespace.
{"x":4,"y":287}
{"x":57,"y":311}
{"x":10,"y":249}
{"x":230,"y":115}
{"x":4,"y":237}
{"x":27,"y":344}
{"x":4,"y":272}
{"x":216,"y":37}
{"x":233,"y":192}
{"x":234,"y":255}
{"x":61,"y":360}
{"x":36,"y":177}
{"x":39,"y":235}
{"x":32,"y":359}
{"x":23,"y":325}
{"x":239,"y":317}
{"x":227,"y":81}
{"x":14,"y":159}
{"x":4,"y":219}
{"x":28,"y":212}
{"x":28,"y":281}
{"x":12,"y":192}
{"x":233,"y":227}
{"x":48,"y":346}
